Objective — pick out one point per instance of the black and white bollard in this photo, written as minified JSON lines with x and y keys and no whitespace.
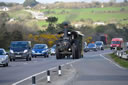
{"x":59,"y":71}
{"x":48,"y":76}
{"x":33,"y":80}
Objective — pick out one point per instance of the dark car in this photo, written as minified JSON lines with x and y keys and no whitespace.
{"x":40,"y":50}
{"x":20,"y":50}
{"x":91,"y":47}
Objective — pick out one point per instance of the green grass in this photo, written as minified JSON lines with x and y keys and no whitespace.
{"x":76,"y":15}
{"x":19,"y":14}
{"x":96,"y":14}
{"x":121,"y":62}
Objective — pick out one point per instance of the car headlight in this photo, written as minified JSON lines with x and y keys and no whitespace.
{"x":33,"y":51}
{"x":4,"y":58}
{"x":11,"y":51}
{"x":25,"y":51}
{"x":44,"y":51}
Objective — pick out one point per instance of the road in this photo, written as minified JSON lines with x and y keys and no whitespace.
{"x":98,"y":69}
{"x":91,"y":69}
{"x":21,"y":69}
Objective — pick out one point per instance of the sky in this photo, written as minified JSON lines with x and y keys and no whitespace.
{"x":51,"y":1}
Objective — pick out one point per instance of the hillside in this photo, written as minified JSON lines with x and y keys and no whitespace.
{"x":107,"y":14}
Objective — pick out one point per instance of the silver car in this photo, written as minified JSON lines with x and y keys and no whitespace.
{"x":53,"y":50}
{"x":100,"y":45}
{"x":4,"y":59}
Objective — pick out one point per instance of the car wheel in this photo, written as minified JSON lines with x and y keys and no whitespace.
{"x":6,"y":64}
{"x":30,"y":59}
{"x":13,"y":59}
{"x":27,"y":59}
{"x":47,"y":56}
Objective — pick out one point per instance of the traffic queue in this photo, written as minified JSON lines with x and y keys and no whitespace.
{"x":23,"y":50}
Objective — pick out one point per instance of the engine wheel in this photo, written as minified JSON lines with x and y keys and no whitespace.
{"x":58,"y":56}
{"x":74,"y":51}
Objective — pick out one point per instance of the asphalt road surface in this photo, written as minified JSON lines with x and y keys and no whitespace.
{"x":99,"y":69}
{"x":21,"y":69}
{"x":91,"y":70}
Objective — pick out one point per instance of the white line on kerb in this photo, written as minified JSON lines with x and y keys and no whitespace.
{"x":43,"y":72}
{"x":112,"y":62}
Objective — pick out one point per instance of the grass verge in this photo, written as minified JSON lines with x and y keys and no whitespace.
{"x":121,"y":62}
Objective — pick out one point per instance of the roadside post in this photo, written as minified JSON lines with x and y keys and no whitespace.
{"x":59,"y":71}
{"x":33,"y":80}
{"x":48,"y":77}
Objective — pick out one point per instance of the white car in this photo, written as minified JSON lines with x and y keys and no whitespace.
{"x":100,"y":45}
{"x":4,"y":59}
{"x":53,"y":50}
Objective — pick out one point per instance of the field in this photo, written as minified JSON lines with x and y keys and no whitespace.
{"x":118,"y":14}
{"x":107,"y":14}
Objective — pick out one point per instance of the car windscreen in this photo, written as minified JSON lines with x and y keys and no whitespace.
{"x":54,"y":47}
{"x":1,"y":52}
{"x":98,"y":43}
{"x":19,"y":45}
{"x":115,"y":42}
{"x":39,"y":47}
{"x":91,"y":45}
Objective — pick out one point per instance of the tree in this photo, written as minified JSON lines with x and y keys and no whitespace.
{"x":30,"y":3}
{"x":4,"y":17}
{"x":51,"y":21}
{"x":17,"y":35}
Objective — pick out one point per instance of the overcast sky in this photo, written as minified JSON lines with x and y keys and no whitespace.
{"x":51,"y":1}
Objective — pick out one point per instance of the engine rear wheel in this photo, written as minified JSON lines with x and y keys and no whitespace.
{"x":74,"y":51}
{"x":58,"y":56}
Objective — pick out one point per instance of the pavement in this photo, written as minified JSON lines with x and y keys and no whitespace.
{"x":93,"y":69}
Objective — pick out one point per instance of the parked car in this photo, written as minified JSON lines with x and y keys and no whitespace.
{"x":100,"y":45}
{"x":20,"y":50}
{"x":91,"y":47}
{"x":4,"y":59}
{"x":53,"y":50}
{"x":40,"y":50}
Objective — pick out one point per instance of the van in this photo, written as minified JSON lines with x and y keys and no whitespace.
{"x":117,"y":42}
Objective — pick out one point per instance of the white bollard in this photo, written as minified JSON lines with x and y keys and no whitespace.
{"x":48,"y":76}
{"x":59,"y":71}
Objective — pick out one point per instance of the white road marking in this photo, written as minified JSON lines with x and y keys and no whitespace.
{"x":25,"y":63}
{"x":43,"y":72}
{"x":28,"y":78}
{"x":99,"y":54}
{"x":112,"y":62}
